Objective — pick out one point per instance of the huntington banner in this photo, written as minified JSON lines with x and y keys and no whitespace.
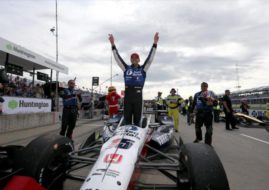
{"x":14,"y":105}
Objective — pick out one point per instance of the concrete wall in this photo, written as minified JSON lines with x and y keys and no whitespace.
{"x":16,"y":122}
{"x":24,"y":121}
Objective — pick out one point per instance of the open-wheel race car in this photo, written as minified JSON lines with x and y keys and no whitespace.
{"x":250,"y":121}
{"x":115,"y":158}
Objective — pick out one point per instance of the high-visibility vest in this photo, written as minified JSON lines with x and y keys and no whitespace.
{"x":216,"y":107}
{"x":159,"y":100}
{"x":173,"y":102}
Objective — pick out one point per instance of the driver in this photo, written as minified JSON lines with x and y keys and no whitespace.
{"x":134,"y":78}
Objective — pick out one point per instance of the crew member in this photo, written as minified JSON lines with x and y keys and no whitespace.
{"x":216,"y":111}
{"x":159,"y":101}
{"x":173,"y":101}
{"x":189,"y":114}
{"x":134,"y":78}
{"x":159,"y":105}
{"x":203,"y":103}
{"x":70,"y":109}
{"x":185,"y":107}
{"x":244,"y":106}
{"x":228,"y":111}
{"x":112,"y":99}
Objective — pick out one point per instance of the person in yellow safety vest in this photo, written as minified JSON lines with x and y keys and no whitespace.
{"x":159,"y":105}
{"x":216,"y":112}
{"x":173,"y":101}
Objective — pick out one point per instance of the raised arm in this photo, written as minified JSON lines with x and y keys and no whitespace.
{"x":152,"y":52}
{"x":156,"y":38}
{"x":116,"y":54}
{"x":111,"y":39}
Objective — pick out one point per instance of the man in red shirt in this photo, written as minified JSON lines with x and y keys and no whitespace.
{"x":112,"y":99}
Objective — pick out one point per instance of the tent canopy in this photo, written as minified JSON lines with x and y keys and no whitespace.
{"x":18,"y":55}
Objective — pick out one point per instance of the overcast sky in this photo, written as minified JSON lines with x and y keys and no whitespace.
{"x":200,"y":40}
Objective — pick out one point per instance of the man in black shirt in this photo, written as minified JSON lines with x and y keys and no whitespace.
{"x":228,"y":110}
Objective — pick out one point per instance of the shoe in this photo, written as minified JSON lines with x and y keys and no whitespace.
{"x":196,"y":141}
{"x":235,"y":128}
{"x":229,"y":129}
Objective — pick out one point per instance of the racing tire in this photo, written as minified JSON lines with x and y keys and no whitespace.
{"x":46,"y":160}
{"x":204,"y":168}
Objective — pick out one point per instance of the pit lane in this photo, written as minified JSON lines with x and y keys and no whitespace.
{"x":245,"y":159}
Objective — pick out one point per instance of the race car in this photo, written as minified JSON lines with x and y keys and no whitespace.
{"x":249,"y":121}
{"x":114,"y":159}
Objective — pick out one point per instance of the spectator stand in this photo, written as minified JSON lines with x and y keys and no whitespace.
{"x":18,"y":61}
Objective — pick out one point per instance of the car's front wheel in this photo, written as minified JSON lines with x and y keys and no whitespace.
{"x":204,"y":168}
{"x":46,"y":159}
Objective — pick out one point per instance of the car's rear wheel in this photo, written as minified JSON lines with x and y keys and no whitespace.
{"x":204,"y":168}
{"x":46,"y":159}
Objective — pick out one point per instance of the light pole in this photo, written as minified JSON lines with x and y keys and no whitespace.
{"x":111,"y":68}
{"x":237,"y":77}
{"x":55,"y":29}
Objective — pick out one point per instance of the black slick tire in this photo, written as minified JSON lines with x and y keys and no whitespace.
{"x":204,"y":168}
{"x":46,"y":159}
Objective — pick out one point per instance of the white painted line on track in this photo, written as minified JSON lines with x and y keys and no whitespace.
{"x":266,"y":142}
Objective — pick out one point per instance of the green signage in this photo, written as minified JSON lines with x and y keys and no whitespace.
{"x":12,"y":104}
{"x":9,"y":46}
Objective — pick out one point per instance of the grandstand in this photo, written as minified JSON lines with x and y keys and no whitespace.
{"x":257,"y":99}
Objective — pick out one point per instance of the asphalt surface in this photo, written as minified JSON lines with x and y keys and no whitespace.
{"x":244,"y":152}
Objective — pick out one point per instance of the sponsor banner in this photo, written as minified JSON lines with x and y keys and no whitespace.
{"x":23,"y":53}
{"x":14,"y":105}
